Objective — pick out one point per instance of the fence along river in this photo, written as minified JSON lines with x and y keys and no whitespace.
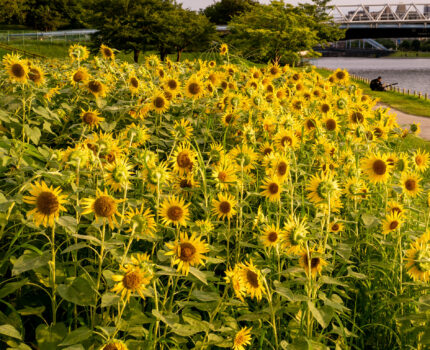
{"x":411,"y":74}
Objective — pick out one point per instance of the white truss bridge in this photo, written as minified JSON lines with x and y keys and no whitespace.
{"x":412,"y":15}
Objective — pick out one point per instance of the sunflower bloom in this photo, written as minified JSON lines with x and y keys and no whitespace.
{"x":188,"y":251}
{"x":418,"y":258}
{"x":103,"y":206}
{"x":223,"y":207}
{"x":312,"y":262}
{"x":242,"y":338}
{"x":175,"y":211}
{"x":48,"y":203}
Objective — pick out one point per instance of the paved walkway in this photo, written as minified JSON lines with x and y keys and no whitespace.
{"x":404,"y":120}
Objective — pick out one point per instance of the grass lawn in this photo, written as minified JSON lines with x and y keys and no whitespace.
{"x":409,"y":54}
{"x":405,"y":103}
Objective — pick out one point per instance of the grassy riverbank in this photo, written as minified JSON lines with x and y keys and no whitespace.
{"x":405,"y":103}
{"x":409,"y":54}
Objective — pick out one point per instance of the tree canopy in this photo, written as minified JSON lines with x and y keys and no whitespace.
{"x":221,"y":12}
{"x":279,"y":31}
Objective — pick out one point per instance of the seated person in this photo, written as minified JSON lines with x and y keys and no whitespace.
{"x":376,"y":84}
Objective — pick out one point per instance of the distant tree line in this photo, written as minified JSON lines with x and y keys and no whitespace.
{"x":276,"y":32}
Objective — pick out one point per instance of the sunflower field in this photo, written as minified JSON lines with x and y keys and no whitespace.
{"x":206,"y":205}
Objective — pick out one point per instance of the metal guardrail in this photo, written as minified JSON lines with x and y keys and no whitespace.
{"x":381,"y":13}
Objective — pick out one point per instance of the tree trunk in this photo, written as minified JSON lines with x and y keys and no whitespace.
{"x":163,"y":54}
{"x":178,"y":56}
{"x":136,"y":53}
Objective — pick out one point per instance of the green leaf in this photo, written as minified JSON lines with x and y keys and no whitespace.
{"x":48,"y":337}
{"x":198,"y":274}
{"x":76,"y":336}
{"x":323,"y":315}
{"x":10,"y":331}
{"x":12,"y":287}
{"x":27,"y":311}
{"x":109,"y":299}
{"x":33,"y":133}
{"x":68,"y":222}
{"x":78,"y":292}
{"x":369,"y":220}
{"x":331,"y":280}
{"x":205,"y":296}
{"x":288,"y":294}
{"x":30,"y":260}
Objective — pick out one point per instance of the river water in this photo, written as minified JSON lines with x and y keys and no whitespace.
{"x":410,"y":73}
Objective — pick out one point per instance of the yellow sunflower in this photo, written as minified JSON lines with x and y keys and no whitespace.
{"x":175,"y":211}
{"x":331,"y":123}
{"x":117,"y":174}
{"x":133,"y":84}
{"x":79,"y":76}
{"x":244,"y":156}
{"x":182,"y":130}
{"x":48,"y":203}
{"x":194,"y":88}
{"x":391,"y":223}
{"x":242,"y":339}
{"x":172,"y":84}
{"x":270,"y":235}
{"x":376,"y":167}
{"x":252,"y":280}
{"x":313,"y":262}
{"x":141,"y":222}
{"x":16,"y":67}
{"x":134,"y":279}
{"x":223,"y":50}
{"x":418,"y":258}
{"x":224,"y":206}
{"x":421,"y":160}
{"x":321,"y":187}
{"x":225,"y":175}
{"x":395,"y":207}
{"x":410,"y":183}
{"x":36,"y":75}
{"x":107,"y":52}
{"x":293,"y":235}
{"x":114,"y":345}
{"x":97,"y":88}
{"x":188,"y":252}
{"x":103,"y":206}
{"x":272,"y":189}
{"x":91,"y":118}
{"x":336,"y":226}
{"x":78,"y":53}
{"x":183,"y":159}
{"x":159,"y":102}
{"x":286,"y":139}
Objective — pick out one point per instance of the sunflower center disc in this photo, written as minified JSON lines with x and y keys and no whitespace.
{"x":95,"y":86}
{"x":159,"y":102}
{"x":132,"y":280}
{"x":273,"y":188}
{"x":252,"y":278}
{"x":104,"y":206}
{"x":187,"y":251}
{"x":110,"y":347}
{"x":225,"y":207}
{"x":47,"y":203}
{"x":393,"y":225}
{"x":282,"y":168}
{"x":272,"y":236}
{"x":18,"y":70}
{"x":330,"y":124}
{"x":78,"y":77}
{"x":194,"y":88}
{"x":174,"y":213}
{"x":410,"y":184}
{"x":183,"y":160}
{"x":379,"y":167}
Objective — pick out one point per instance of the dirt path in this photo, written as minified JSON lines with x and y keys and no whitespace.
{"x":404,"y":120}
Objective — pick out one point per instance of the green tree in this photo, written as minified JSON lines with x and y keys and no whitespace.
{"x":222,"y":11}
{"x":13,"y":11}
{"x":321,"y":21}
{"x":127,"y":25}
{"x":181,"y":30}
{"x":276,"y":32}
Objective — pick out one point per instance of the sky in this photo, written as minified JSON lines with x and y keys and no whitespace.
{"x":198,"y":4}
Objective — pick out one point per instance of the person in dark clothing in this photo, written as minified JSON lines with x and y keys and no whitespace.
{"x":376,"y":84}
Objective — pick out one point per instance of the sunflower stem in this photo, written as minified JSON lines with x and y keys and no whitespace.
{"x":128,"y":246}
{"x":99,"y":272}
{"x":53,"y":283}
{"x":272,"y":312}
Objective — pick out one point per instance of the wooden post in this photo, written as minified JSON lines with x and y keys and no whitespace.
{"x":426,"y":96}
{"x":408,"y":91}
{"x":419,"y":95}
